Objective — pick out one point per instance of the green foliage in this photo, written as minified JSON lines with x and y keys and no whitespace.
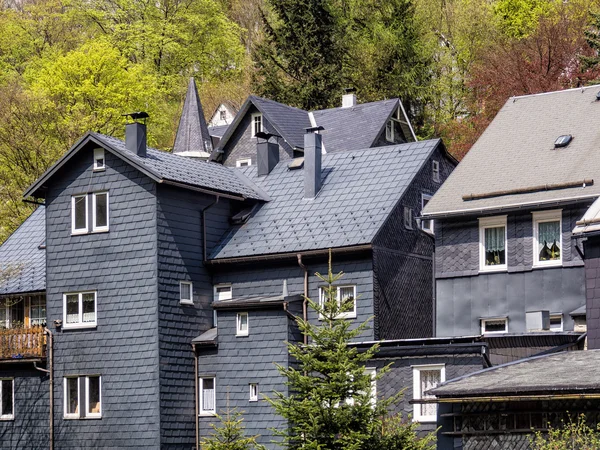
{"x":573,"y":435}
{"x":330,"y":404}
{"x":520,"y":18}
{"x":229,"y":434}
{"x":398,"y":433}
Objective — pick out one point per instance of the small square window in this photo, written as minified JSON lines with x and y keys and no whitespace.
{"x":408,"y":218}
{"x":547,"y":238}
{"x":208,"y":396}
{"x":243,"y":162}
{"x":7,"y":399}
{"x":222,"y":292}
{"x":185,"y":293}
{"x":426,"y":224}
{"x":99,"y":159}
{"x":556,"y":322}
{"x":257,"y":124}
{"x":79,"y":310}
{"x":100,"y":211}
{"x":492,"y":243}
{"x":91,"y":407}
{"x":346,"y":300}
{"x":79,"y":214}
{"x":426,"y":378}
{"x":494,"y":325}
{"x":253,"y":392}
{"x":242,"y":324}
{"x":435,"y":170}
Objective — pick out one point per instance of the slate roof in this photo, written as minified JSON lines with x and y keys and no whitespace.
{"x":218,"y":131}
{"x":581,"y":311}
{"x":22,"y":261}
{"x":207,"y":338}
{"x":360,"y":189}
{"x":517,"y":151}
{"x":192,"y":132}
{"x":590,"y":222}
{"x":167,"y":167}
{"x":566,"y":372}
{"x":355,"y":127}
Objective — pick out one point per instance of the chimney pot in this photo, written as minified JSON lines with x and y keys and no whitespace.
{"x":312,"y":162}
{"x":349,"y":98}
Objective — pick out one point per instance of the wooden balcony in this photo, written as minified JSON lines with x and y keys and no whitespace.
{"x":22,"y":344}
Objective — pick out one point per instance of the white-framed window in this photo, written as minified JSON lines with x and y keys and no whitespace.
{"x":547,"y":238}
{"x":100,"y":211}
{"x":223,"y":115}
{"x":79,"y":214}
{"x":253,"y":392}
{"x":208,"y":390}
{"x":389,"y":131}
{"x":243,"y":162}
{"x":426,"y":378}
{"x":256,"y":124}
{"x":426,"y":224}
{"x":7,"y":398}
{"x":345,"y":295}
{"x":494,"y":325}
{"x":222,"y":292}
{"x":372,"y":372}
{"x":435,"y":170}
{"x":79,"y":310}
{"x":99,"y":163}
{"x":556,"y":322}
{"x":186,"y":291}
{"x":492,"y":243}
{"x":88,"y":406}
{"x":241,"y":324}
{"x":37,"y":310}
{"x":408,"y":218}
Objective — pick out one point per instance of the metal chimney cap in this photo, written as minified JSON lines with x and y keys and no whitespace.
{"x":349,"y":90}
{"x":265,"y":135}
{"x":314,"y":129}
{"x":137,"y":115}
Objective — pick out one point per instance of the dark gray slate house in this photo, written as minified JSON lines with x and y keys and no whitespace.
{"x":171,"y":282}
{"x":506,"y":259}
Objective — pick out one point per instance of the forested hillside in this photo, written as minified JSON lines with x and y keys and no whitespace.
{"x":69,"y":66}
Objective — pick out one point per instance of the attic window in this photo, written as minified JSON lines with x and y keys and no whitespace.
{"x":563,"y":141}
{"x":99,"y":159}
{"x":256,"y":124}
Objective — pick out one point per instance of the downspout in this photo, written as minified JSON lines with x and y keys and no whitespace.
{"x":50,"y":372}
{"x":196,"y":397}
{"x":204,"y":227}
{"x":305,"y":301}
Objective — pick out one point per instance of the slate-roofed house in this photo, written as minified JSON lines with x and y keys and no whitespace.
{"x":351,"y":127}
{"x":506,"y":258}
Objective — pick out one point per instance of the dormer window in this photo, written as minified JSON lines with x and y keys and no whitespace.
{"x":99,"y":163}
{"x":257,"y":124}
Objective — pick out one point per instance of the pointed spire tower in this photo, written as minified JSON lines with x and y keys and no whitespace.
{"x":193,"y":138}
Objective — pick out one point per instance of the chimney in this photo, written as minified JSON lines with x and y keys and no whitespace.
{"x":349,"y":98}
{"x":267,"y":153}
{"x":312,"y":162}
{"x":135,"y":133}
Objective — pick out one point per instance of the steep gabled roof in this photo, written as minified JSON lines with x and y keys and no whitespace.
{"x":192,"y":132}
{"x":360,"y":189}
{"x":355,"y":127}
{"x":23,"y":257}
{"x":163,"y":167}
{"x":515,"y":163}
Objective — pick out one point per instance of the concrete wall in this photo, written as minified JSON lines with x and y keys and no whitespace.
{"x":464,"y":295}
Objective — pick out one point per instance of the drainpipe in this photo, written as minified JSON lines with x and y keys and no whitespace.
{"x":305,"y":302}
{"x":196,"y":396}
{"x":50,"y":372}
{"x":204,"y":227}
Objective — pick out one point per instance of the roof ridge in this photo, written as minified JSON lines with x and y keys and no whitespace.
{"x":559,"y":91}
{"x":268,"y":100}
{"x":357,"y":105}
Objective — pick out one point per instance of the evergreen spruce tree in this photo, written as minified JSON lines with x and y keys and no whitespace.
{"x":592,"y":37}
{"x":330,"y":405}
{"x":229,"y":434}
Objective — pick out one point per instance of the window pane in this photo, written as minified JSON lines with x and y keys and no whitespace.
{"x":72,"y":308}
{"x":492,"y":326}
{"x":208,"y":394}
{"x":72,"y":396}
{"x":80,"y":213}
{"x":89,"y":307}
{"x":7,"y":397}
{"x":185,"y":291}
{"x":346,"y":297}
{"x":243,"y":322}
{"x":429,"y":380}
{"x":549,"y":241}
{"x":101,"y":210}
{"x":38,"y":311}
{"x":94,"y":395}
{"x":495,"y":253}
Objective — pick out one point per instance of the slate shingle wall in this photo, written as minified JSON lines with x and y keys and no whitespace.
{"x":403,"y":264}
{"x":180,"y":259}
{"x":29,"y":430}
{"x":239,"y":361}
{"x":242,"y":145}
{"x":121,"y":266}
{"x":592,"y":292}
{"x":464,"y":296}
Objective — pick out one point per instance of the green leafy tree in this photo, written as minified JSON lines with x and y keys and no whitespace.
{"x":229,"y":434}
{"x":330,"y":404}
{"x":572,"y":435}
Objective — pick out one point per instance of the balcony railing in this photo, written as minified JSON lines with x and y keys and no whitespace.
{"x":22,"y":343}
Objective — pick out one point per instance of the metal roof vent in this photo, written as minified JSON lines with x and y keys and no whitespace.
{"x":563,"y":141}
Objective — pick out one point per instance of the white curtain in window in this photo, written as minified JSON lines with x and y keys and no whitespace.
{"x":549,"y":240}
{"x":208,"y":394}
{"x":89,"y":307}
{"x":429,"y":380}
{"x":494,"y":239}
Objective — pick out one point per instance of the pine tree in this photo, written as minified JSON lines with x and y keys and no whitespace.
{"x":330,"y":405}
{"x":229,"y":434}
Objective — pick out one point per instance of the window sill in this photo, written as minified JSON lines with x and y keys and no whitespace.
{"x":544,"y":265}
{"x":242,"y":335}
{"x":186,"y":302}
{"x":493,"y":269}
{"x":82,"y":418}
{"x":79,"y":326}
{"x":99,"y":169}
{"x":82,"y":233}
{"x":7,"y":419}
{"x":99,"y":230}
{"x":207,"y":414}
{"x":425,"y":419}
